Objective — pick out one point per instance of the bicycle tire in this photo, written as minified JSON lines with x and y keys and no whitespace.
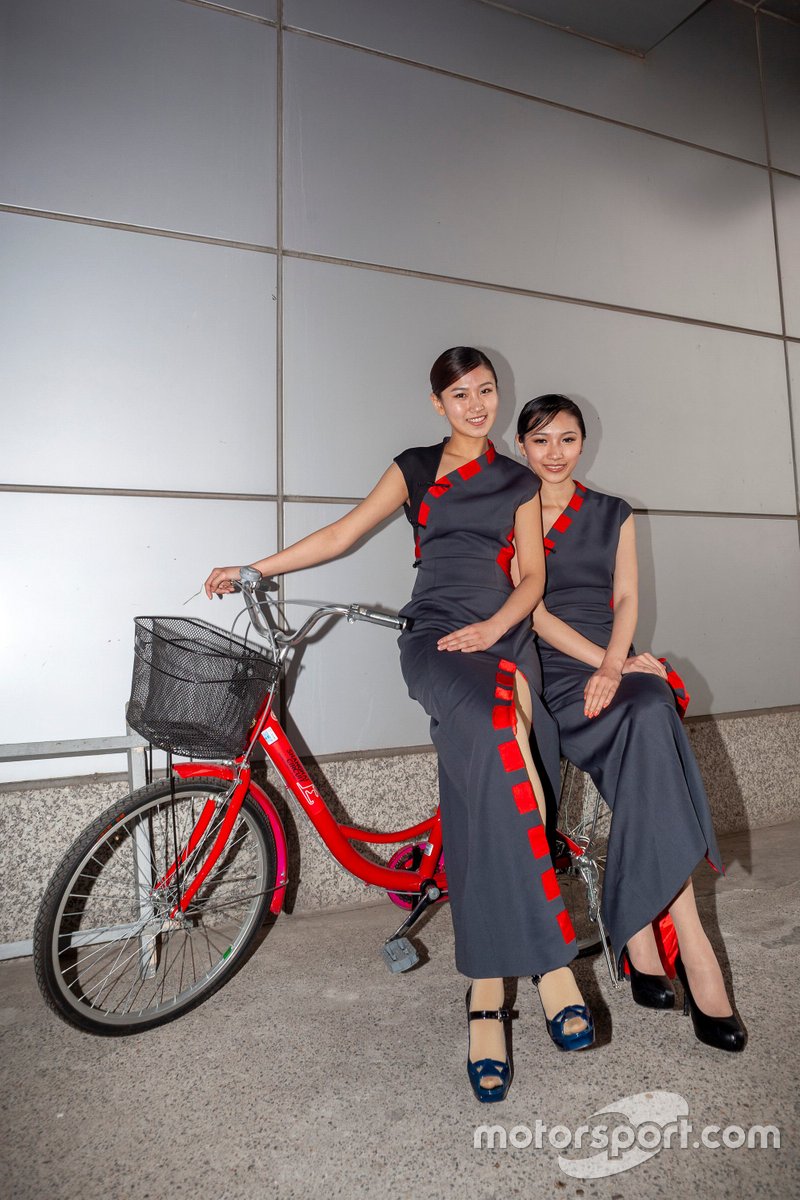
{"x":106,"y":939}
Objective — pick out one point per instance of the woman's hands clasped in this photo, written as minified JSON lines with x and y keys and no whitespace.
{"x":644,"y":662}
{"x":602,"y":686}
{"x":220,"y":581}
{"x":599,"y":691}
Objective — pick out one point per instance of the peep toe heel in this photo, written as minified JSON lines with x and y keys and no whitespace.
{"x":486,"y":1068}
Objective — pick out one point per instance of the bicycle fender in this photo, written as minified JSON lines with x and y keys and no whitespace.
{"x":221,"y":771}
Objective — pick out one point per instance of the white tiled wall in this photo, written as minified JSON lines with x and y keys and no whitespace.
{"x":153,"y":113}
{"x":601,"y":224}
{"x":541,"y":199}
{"x":700,"y":84}
{"x":135,"y":362}
{"x":780,"y":50}
{"x":666,"y":403}
{"x":787,"y":215}
{"x":82,"y":568}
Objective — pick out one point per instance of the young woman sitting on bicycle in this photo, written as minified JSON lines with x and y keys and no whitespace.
{"x":618,"y":720}
{"x":467,"y":657}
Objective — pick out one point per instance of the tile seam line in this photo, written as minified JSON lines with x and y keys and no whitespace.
{"x":387,"y":269}
{"x":776,"y":241}
{"x":725,"y":514}
{"x":512,"y":290}
{"x":231,"y":12}
{"x":520,"y":95}
{"x":280,"y":423}
{"x":584,"y":37}
{"x":55,"y":489}
{"x":47,"y":214}
{"x":39,"y":489}
{"x":761,"y":12}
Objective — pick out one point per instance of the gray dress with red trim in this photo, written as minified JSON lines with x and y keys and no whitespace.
{"x":508,"y":915}
{"x":636,"y":751}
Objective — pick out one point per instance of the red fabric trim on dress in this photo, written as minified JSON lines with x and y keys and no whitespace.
{"x":524,"y":797}
{"x":538,"y":840}
{"x":444,"y":484}
{"x":504,"y":716}
{"x":511,"y":755}
{"x":506,"y":555}
{"x":550,"y":884}
{"x":564,"y":520}
{"x":469,"y":469}
{"x":567,"y":932}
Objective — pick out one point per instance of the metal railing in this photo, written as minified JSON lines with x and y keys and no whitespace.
{"x":131,"y":744}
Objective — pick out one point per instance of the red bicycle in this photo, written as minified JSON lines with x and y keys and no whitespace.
{"x":165,"y":895}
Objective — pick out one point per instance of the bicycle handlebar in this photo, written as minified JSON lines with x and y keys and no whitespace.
{"x":250,"y":579}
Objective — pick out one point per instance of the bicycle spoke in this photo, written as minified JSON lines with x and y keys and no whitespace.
{"x":118,"y":953}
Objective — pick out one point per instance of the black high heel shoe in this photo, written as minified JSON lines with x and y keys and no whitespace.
{"x":651,"y":991}
{"x":489,"y":1067}
{"x":724,"y":1033}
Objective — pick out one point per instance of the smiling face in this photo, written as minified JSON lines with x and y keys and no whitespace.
{"x":553,"y":450}
{"x":470,"y":404}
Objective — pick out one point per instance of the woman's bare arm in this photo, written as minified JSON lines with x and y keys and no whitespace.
{"x":563,"y":637}
{"x":332,"y":540}
{"x":602,"y":686}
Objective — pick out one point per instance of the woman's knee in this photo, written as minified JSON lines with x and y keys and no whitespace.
{"x":644,"y":693}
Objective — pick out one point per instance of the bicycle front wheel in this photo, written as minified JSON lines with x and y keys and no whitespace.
{"x":114,"y":951}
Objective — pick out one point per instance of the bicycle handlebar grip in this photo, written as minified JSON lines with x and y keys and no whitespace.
{"x":249,"y":575}
{"x":378,"y":618}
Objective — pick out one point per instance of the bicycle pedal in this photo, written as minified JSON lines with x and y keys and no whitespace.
{"x":399,"y":955}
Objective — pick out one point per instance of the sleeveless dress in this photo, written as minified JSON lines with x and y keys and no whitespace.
{"x":636,"y":751}
{"x":508,"y":915}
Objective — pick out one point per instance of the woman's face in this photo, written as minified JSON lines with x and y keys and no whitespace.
{"x":470,"y":404}
{"x":553,"y":450}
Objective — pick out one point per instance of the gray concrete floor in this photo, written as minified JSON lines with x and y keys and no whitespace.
{"x":316,"y":1073}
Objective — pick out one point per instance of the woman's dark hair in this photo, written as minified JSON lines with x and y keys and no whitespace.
{"x":543,"y":409}
{"x":456,"y":362}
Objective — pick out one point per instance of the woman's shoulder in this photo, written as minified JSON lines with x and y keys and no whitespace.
{"x":420,"y":460}
{"x":419,"y":465}
{"x":609,"y":503}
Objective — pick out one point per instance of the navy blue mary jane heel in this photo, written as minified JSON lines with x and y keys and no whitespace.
{"x":487,"y":1068}
{"x":582,"y":1038}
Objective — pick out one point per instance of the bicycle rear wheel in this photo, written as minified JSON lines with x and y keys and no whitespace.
{"x":113,"y":952}
{"x":580,"y":891}
{"x":585,"y":819}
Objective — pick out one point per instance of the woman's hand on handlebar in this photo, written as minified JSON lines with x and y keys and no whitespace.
{"x":220,"y":581}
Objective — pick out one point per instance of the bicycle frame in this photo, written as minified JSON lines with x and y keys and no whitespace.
{"x":337,"y":837}
{"x":428,"y":882}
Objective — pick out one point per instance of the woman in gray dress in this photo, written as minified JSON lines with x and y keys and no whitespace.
{"x":467,"y":657}
{"x":618,"y":720}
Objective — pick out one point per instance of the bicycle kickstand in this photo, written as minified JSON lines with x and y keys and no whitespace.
{"x":398,"y":952}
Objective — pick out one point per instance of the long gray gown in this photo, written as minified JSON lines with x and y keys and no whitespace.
{"x":508,"y":915}
{"x":636,"y":751}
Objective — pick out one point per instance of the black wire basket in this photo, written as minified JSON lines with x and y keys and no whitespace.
{"x":196,"y":689}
